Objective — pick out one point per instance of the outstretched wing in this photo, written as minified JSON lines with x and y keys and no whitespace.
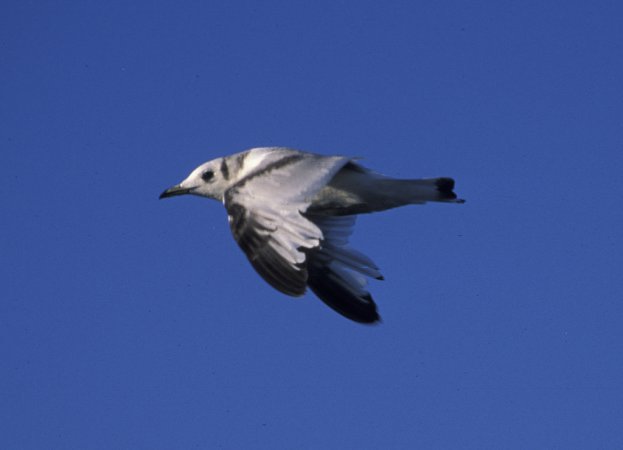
{"x":265,"y":217}
{"x":337,"y":273}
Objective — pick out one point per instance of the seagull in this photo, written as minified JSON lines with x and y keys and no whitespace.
{"x":292,"y":213}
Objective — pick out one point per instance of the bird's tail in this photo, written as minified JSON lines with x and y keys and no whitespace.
{"x":421,"y":190}
{"x":385,"y":193}
{"x":357,"y":190}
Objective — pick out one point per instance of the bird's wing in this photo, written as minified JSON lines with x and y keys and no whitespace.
{"x":337,"y":273}
{"x":264,"y":210}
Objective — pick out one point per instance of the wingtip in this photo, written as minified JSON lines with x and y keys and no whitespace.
{"x":373,"y":320}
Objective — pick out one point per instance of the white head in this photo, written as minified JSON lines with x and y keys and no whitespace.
{"x":210,"y":179}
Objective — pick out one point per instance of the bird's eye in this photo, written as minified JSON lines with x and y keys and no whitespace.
{"x":207,"y":175}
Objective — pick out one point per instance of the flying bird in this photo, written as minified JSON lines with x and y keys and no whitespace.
{"x":292,"y":213}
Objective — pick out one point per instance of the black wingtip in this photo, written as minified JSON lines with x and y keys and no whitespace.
{"x":336,"y":294}
{"x":372,"y":319}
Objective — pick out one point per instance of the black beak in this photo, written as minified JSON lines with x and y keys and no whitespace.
{"x":174,"y":190}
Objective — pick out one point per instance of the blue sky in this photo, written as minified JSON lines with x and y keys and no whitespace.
{"x":129,"y":322}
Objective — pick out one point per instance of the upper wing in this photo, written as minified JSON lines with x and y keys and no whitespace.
{"x":265,"y":209}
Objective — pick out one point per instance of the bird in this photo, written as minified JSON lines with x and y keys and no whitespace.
{"x":292,"y":213}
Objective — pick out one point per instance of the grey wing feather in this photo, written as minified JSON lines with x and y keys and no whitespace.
{"x":265,"y":216}
{"x":259,"y":239}
{"x":337,"y":273}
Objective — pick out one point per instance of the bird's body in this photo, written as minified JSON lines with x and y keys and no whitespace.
{"x":292,"y":212}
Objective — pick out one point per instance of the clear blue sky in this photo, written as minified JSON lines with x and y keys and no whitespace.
{"x":129,"y":322}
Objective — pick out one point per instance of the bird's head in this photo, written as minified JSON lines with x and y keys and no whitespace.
{"x":210,"y":179}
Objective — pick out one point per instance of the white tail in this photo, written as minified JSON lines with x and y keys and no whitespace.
{"x":356,"y":190}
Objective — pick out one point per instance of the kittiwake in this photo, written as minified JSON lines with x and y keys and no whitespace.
{"x":292,"y":213}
